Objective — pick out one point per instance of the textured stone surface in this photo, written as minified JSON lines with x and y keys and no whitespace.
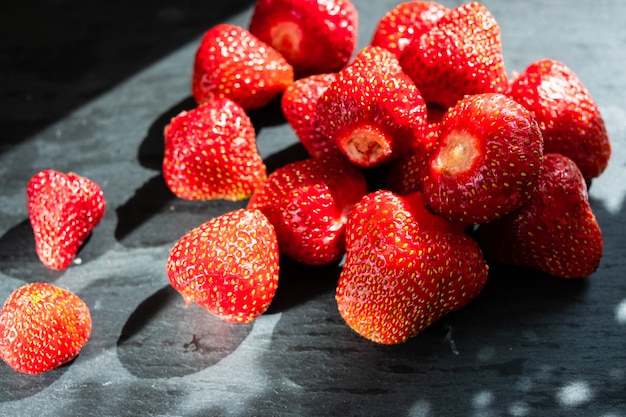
{"x":88,"y":87}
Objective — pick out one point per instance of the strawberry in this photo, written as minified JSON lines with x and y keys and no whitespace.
{"x":404,"y":22}
{"x":308,"y":202}
{"x":42,"y":327}
{"x":211,"y":153}
{"x":405,"y":268}
{"x":314,"y":36}
{"x":488,"y":159}
{"x":228,"y":265}
{"x":63,"y":210}
{"x":556,"y":232}
{"x":460,"y":55}
{"x":299,"y":104}
{"x":372,"y":111}
{"x":231,"y":62}
{"x":568,"y":116}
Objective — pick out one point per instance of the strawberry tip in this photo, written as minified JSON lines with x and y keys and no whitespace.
{"x":366,"y":145}
{"x":457,"y":153}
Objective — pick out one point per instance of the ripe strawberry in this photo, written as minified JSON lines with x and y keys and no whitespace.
{"x":231,"y":62}
{"x":42,"y":327}
{"x":299,"y":104}
{"x":405,"y":268}
{"x":211,"y":153}
{"x":404,"y":22}
{"x":488,"y":159}
{"x":372,"y":111}
{"x":228,"y":265}
{"x":63,"y":210}
{"x":460,"y":55}
{"x":555,"y":232}
{"x":568,"y":116}
{"x":314,"y":36}
{"x":308,"y":203}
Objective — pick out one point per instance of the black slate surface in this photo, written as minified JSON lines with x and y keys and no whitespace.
{"x":88,"y":87}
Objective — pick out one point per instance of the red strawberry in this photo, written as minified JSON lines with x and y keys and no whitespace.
{"x":63,"y":210}
{"x":228,"y":265}
{"x":231,"y":62}
{"x":315,"y":36}
{"x":299,"y":104}
{"x":405,"y":268}
{"x":308,"y":203}
{"x":404,"y":22}
{"x":555,"y":232}
{"x":568,"y":116}
{"x":373,"y":111}
{"x":488,"y":159}
{"x":460,"y":55}
{"x":211,"y":153}
{"x":42,"y":327}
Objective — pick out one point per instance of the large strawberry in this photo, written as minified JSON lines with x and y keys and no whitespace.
{"x":555,"y":232}
{"x":314,"y":36}
{"x":373,"y":111}
{"x":228,"y":265}
{"x":231,"y":62}
{"x":460,"y":55}
{"x":568,"y":116}
{"x":405,"y":268}
{"x":42,"y":327}
{"x":488,"y":159}
{"x":299,"y":106}
{"x":211,"y":153}
{"x":308,"y":203}
{"x":63,"y":210}
{"x":405,"y":21}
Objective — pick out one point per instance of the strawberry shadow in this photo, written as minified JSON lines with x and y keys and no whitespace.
{"x":17,"y":386}
{"x":163,"y":339}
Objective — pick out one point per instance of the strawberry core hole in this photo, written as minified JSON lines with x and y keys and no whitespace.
{"x":286,"y":38}
{"x":457,"y":153}
{"x":366,"y":145}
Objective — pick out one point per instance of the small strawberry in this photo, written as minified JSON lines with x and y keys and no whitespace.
{"x":228,"y":265}
{"x":314,"y":36}
{"x":404,"y":22}
{"x":488,"y":159}
{"x":308,"y":202}
{"x":460,"y":55}
{"x":405,"y":268}
{"x":63,"y":210}
{"x":372,"y":111}
{"x":299,"y":104}
{"x":211,"y":153}
{"x":555,"y":232}
{"x":568,"y":116}
{"x":231,"y":62}
{"x":42,"y":327}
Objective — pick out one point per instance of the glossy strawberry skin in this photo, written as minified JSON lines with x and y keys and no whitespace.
{"x":232,"y":63}
{"x":299,"y":106}
{"x":556,"y":231}
{"x":63,"y":210}
{"x":42,"y":327}
{"x":404,"y":22}
{"x":211,"y":153}
{"x":568,"y":116}
{"x":228,"y":265}
{"x":373,"y":111}
{"x":405,"y":268}
{"x":314,"y":36}
{"x":308,"y":203}
{"x":460,"y":55}
{"x":487,"y":162}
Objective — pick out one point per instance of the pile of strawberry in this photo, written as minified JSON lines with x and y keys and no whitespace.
{"x":426,"y":163}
